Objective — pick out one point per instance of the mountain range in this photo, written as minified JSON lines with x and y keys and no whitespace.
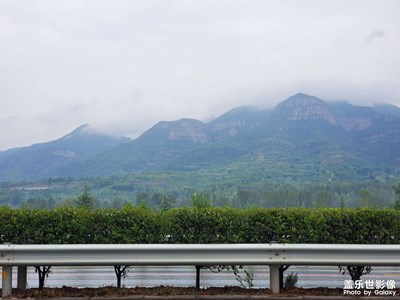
{"x":302,"y":138}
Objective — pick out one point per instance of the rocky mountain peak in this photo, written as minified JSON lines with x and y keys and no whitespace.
{"x":244,"y":137}
{"x":236,"y":120}
{"x":301,"y":107}
{"x":185,"y":129}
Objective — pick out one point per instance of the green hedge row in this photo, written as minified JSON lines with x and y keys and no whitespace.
{"x":199,"y":225}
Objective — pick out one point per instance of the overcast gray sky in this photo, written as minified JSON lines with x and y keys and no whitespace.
{"x":124,"y":65}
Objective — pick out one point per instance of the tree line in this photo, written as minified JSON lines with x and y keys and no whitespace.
{"x":116,"y":192}
{"x":312,"y":196}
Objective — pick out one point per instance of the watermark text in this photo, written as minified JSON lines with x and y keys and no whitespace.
{"x":369,"y":287}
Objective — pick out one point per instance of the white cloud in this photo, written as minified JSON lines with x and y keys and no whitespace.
{"x":125,"y":65}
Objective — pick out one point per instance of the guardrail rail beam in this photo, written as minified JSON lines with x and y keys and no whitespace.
{"x":272,"y":255}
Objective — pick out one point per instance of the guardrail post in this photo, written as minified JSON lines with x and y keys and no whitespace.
{"x":6,"y":287}
{"x":22,"y":277}
{"x":6,"y":276}
{"x":274,"y":278}
{"x":198,"y":268}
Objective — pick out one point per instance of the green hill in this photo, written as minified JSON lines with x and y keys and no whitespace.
{"x":302,"y":139}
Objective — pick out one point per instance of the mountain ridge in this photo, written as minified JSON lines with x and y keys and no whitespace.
{"x":302,"y":131}
{"x":40,"y":159}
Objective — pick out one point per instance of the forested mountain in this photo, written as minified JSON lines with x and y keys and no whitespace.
{"x":387,"y":109}
{"x":40,"y":160}
{"x":303,"y":139}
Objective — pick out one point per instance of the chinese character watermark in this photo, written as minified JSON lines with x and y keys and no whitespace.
{"x":369,"y":287}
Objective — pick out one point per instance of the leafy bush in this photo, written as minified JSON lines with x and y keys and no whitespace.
{"x":291,"y":281}
{"x":199,"y":225}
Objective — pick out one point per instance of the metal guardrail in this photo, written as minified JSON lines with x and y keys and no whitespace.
{"x":272,"y":255}
{"x":199,"y":254}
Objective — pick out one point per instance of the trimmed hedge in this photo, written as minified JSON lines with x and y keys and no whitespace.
{"x":199,"y":225}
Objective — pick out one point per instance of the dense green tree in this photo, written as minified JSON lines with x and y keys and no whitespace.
{"x":366,"y":199}
{"x":156,"y":199}
{"x":85,"y":199}
{"x":167,"y":202}
{"x":396,"y":190}
{"x":201,"y":200}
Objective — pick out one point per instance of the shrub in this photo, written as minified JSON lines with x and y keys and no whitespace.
{"x":199,"y":225}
